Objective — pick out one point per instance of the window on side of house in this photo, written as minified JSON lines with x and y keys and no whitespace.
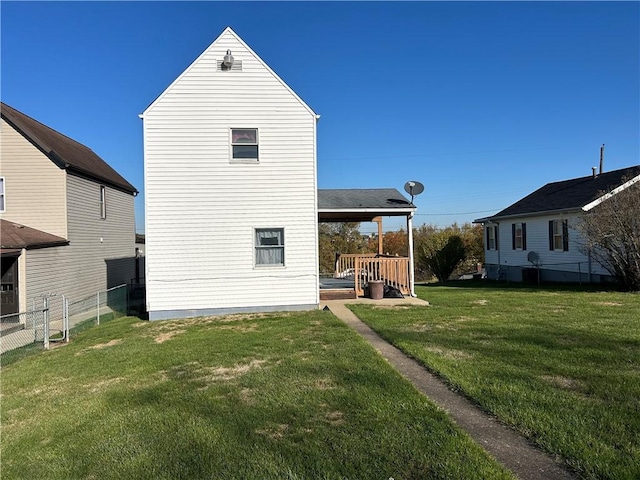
{"x":244,"y":145}
{"x":2,"y":195}
{"x":269,"y":246}
{"x":559,"y":235}
{"x":491,"y":238}
{"x":103,"y":201}
{"x":519,"y":236}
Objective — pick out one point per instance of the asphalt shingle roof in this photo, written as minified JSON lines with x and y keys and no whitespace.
{"x":13,"y":235}
{"x":371,"y":198}
{"x":64,"y":151}
{"x":569,"y":194}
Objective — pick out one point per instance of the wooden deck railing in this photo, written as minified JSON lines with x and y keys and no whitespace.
{"x":394,"y":271}
{"x":346,"y":263}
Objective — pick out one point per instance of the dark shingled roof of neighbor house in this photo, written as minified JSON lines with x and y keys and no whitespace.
{"x":568,"y":195}
{"x":64,"y":151}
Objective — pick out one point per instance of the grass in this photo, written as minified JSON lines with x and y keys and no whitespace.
{"x":286,"y":396}
{"x":560,"y":365}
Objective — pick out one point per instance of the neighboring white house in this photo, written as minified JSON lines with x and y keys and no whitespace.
{"x":230,"y":185}
{"x":67,"y":217}
{"x":537,"y":235}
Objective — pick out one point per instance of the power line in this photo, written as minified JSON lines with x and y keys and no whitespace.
{"x":457,"y":213}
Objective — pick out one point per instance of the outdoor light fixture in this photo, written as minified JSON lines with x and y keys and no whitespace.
{"x":228,"y":59}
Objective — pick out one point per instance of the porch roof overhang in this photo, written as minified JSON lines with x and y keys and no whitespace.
{"x":362,"y":205}
{"x":15,"y":236}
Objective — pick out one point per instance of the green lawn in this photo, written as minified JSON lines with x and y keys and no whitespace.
{"x":281,"y":396}
{"x":562,"y":366}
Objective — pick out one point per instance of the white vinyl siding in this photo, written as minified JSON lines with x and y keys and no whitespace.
{"x":34,"y":185}
{"x":201,"y":209}
{"x":573,"y":260}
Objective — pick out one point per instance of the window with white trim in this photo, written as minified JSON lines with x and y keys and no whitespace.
{"x":2,"y":196}
{"x":244,"y":145}
{"x":103,"y":201}
{"x":269,"y":246}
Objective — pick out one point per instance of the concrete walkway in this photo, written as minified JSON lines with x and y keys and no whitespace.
{"x":508,"y":447}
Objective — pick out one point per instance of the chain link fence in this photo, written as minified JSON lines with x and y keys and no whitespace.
{"x":54,"y":319}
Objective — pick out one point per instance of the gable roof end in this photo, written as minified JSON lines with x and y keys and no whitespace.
{"x":65,"y":152}
{"x":235,"y":35}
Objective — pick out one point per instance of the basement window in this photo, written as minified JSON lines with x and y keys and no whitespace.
{"x":244,"y":145}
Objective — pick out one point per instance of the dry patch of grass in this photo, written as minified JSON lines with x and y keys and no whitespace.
{"x":391,"y":307}
{"x":335,"y":418}
{"x":111,"y":343}
{"x":564,"y":383}
{"x":610,"y":304}
{"x":449,"y":353}
{"x":480,"y":302}
{"x":276,"y":432}
{"x":163,"y":337}
{"x":102,"y":385}
{"x":242,"y":328}
{"x":196,"y":372}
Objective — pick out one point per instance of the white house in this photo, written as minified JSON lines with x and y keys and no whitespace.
{"x":67,"y":217}
{"x":230,"y":184}
{"x":536,"y":236}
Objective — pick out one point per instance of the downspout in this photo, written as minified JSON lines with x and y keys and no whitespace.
{"x":411,"y":268}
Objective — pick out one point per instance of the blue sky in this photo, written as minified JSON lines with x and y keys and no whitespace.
{"x":482,"y":102}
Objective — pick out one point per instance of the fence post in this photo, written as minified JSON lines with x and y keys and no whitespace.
{"x":579,"y":274}
{"x":65,"y":316}
{"x":46,"y":323}
{"x":98,"y":305}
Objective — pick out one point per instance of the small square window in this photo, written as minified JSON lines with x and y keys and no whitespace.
{"x":244,"y":144}
{"x":269,"y":246}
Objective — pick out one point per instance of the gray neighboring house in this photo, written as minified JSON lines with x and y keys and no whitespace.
{"x":67,"y":217}
{"x":537,"y":235}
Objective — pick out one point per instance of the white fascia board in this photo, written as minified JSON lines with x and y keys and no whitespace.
{"x":613,"y":192}
{"x":382,"y":211}
{"x":544,"y":213}
{"x":235,"y":35}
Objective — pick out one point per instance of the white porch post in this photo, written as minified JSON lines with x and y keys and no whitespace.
{"x":411,"y":268}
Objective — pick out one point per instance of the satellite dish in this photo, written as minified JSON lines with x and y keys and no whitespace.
{"x":413,"y":188}
{"x":533,"y":257}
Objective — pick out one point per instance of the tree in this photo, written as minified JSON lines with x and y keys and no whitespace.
{"x":611,"y":232}
{"x":394,"y":243}
{"x":343,"y":237}
{"x":440,"y":253}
